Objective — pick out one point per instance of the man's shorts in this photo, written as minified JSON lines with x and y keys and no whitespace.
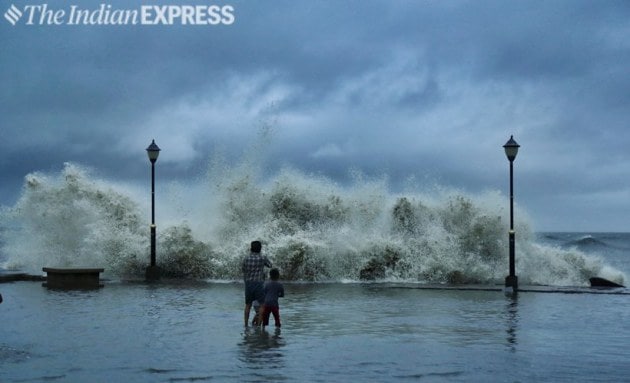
{"x":253,"y":292}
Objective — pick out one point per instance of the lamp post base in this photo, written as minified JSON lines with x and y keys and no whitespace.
{"x":153,"y":273}
{"x":512,"y":281}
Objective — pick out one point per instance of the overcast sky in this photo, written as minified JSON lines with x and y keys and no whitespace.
{"x":431,"y":89}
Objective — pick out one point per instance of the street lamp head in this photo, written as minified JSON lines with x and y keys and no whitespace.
{"x":511,"y":148}
{"x":153,"y":151}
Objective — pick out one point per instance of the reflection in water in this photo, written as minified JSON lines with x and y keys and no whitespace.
{"x":512,"y":321}
{"x":262,"y":350}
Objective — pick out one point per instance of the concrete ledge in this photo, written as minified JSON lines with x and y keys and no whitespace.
{"x":72,"y":278}
{"x":16,"y":277}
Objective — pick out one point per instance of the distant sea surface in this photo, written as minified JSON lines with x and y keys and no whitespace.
{"x":613,"y":248}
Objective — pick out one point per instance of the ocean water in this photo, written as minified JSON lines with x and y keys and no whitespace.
{"x":380,"y":286}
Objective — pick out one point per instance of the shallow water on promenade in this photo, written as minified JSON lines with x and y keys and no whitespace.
{"x":136,"y":332}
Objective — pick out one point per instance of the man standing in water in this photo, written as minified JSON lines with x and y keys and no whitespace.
{"x":254,"y":276}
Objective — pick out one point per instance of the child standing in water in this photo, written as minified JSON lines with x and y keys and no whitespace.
{"x":273,"y":290}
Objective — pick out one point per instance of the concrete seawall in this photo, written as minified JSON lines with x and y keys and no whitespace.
{"x":16,"y":277}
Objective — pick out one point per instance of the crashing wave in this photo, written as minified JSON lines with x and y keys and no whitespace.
{"x":311,"y":228}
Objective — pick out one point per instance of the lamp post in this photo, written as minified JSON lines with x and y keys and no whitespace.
{"x":511,"y":149}
{"x":153,"y":272}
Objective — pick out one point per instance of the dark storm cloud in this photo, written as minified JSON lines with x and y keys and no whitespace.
{"x":407,"y":88}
